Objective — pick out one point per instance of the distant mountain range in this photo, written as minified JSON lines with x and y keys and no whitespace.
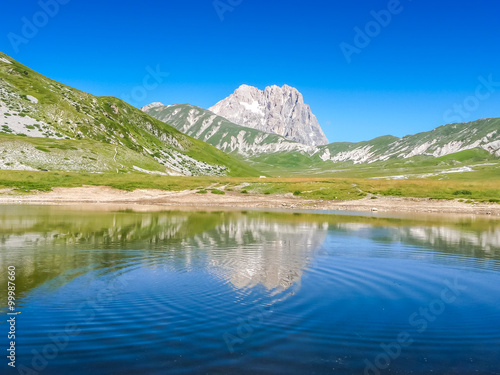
{"x":264,"y":146}
{"x":444,"y":140}
{"x":47,"y":125}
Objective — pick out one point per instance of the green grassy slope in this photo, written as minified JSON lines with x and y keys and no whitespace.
{"x":480,"y":185}
{"x":17,"y":152}
{"x":476,"y":162}
{"x":219,"y":132}
{"x":425,"y":152}
{"x":444,"y":140}
{"x":62,"y":112}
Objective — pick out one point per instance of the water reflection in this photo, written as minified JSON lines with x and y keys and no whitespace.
{"x":261,"y":250}
{"x":167,"y":287}
{"x":463,"y":236}
{"x":244,"y":248}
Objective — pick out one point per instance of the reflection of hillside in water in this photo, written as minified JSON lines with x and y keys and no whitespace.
{"x":250,"y":251}
{"x":487,"y":241}
{"x":459,"y":240}
{"x":57,"y":244}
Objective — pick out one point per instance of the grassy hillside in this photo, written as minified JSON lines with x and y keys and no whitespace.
{"x":36,"y":106}
{"x":477,"y":162}
{"x":427,"y":152}
{"x":444,"y":140}
{"x":30,"y":153}
{"x":221,"y":133}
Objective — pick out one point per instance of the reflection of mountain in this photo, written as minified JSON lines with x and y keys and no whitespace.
{"x":57,"y":244}
{"x":259,"y":250}
{"x":54,"y":245}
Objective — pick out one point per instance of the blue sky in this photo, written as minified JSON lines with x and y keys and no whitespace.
{"x":408,"y":73}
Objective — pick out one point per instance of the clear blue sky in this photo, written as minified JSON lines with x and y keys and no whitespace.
{"x":427,"y":58}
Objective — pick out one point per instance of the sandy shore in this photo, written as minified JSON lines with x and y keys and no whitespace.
{"x":233,"y":200}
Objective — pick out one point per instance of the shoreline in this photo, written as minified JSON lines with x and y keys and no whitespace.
{"x":161,"y":199}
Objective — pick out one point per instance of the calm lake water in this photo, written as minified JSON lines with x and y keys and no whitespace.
{"x":249,"y":293}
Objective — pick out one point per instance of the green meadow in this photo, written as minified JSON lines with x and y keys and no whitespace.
{"x":470,"y":187}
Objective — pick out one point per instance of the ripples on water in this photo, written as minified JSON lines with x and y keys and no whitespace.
{"x":247,"y":293}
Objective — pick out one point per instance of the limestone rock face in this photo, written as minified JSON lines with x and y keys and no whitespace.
{"x":278,"y":110}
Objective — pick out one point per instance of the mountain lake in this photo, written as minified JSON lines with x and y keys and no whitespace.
{"x":116,"y":291}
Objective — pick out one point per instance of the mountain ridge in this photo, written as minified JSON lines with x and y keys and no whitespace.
{"x":443,"y":140}
{"x":220,"y":132}
{"x":440,"y":141}
{"x":178,"y":139}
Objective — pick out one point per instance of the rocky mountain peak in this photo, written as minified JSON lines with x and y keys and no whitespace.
{"x":278,"y":110}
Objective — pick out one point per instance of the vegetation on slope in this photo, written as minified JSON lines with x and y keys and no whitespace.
{"x":66,"y":113}
{"x":277,"y":156}
{"x":219,"y":132}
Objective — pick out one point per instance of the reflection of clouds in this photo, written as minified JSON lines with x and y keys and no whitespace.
{"x":250,"y":251}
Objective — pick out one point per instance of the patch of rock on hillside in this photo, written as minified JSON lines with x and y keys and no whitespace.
{"x":14,"y":120}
